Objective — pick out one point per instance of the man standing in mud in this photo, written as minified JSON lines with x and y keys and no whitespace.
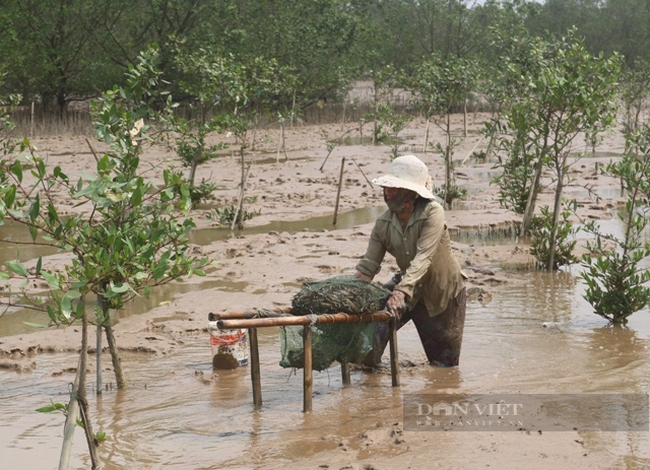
{"x":430,"y":287}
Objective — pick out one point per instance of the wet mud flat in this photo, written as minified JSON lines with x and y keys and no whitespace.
{"x":526,"y":332}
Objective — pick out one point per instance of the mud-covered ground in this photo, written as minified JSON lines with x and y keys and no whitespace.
{"x":266,"y":263}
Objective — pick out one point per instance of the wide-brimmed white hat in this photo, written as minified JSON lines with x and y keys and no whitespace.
{"x":408,"y":172}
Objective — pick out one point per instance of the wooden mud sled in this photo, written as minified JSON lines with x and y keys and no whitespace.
{"x":251,"y":320}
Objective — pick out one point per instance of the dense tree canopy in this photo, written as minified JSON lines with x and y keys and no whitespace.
{"x":59,"y":51}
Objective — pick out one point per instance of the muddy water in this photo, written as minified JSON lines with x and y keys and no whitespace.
{"x":537,"y":337}
{"x":22,"y":321}
{"x":348,"y":219}
{"x":177,"y":413}
{"x":12,"y":233}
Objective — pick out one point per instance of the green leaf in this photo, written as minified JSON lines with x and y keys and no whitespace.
{"x":17,"y":268}
{"x":46,"y":409}
{"x":51,"y":313}
{"x":72,"y":294}
{"x":39,"y":265}
{"x":51,"y":280}
{"x":10,"y":196}
{"x":136,"y":198}
{"x":34,"y":208}
{"x":53,"y":407}
{"x":119,"y":288}
{"x":17,"y":169}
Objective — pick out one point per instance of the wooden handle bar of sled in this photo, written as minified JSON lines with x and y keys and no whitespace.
{"x":251,"y":313}
{"x":289,"y":320}
{"x":249,"y":319}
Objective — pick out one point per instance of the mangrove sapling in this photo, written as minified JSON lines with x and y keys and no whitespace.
{"x":617,"y":284}
{"x":383,"y":81}
{"x":439,"y":86}
{"x":229,"y":215}
{"x":448,"y":191}
{"x":635,"y":91}
{"x":193,"y":150}
{"x":395,"y":122}
{"x":332,"y":143}
{"x":558,"y":91}
{"x":128,"y":240}
{"x":552,"y":243}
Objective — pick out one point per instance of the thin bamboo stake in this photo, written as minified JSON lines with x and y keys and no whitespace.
{"x":308,"y":380}
{"x":70,"y":423}
{"x":77,"y":408}
{"x":364,"y":175}
{"x":338,"y":192}
{"x":104,"y":312}
{"x":31,"y":123}
{"x":99,"y":359}
{"x":471,"y":151}
{"x":280,"y":141}
{"x":426,"y":137}
{"x":255,"y":368}
{"x":284,"y":145}
{"x":465,"y":118}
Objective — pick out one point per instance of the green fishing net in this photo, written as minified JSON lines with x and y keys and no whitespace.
{"x":345,"y":342}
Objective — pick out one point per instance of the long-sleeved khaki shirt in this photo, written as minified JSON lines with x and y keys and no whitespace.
{"x":431,"y":273}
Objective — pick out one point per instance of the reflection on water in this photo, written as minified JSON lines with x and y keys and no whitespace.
{"x":355,"y":140}
{"x":15,"y":244}
{"x":348,"y":219}
{"x":535,"y":337}
{"x":498,"y":235}
{"x":23,"y":321}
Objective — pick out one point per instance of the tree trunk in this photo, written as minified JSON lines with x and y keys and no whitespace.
{"x":465,"y":118}
{"x":556,"y":210}
{"x":532,"y":196}
{"x":193,"y":166}
{"x":426,"y":136}
{"x":556,"y":217}
{"x":490,"y":146}
{"x":115,"y":357}
{"x":98,"y":353}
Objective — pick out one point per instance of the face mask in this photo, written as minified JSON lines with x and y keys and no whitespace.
{"x":399,"y":202}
